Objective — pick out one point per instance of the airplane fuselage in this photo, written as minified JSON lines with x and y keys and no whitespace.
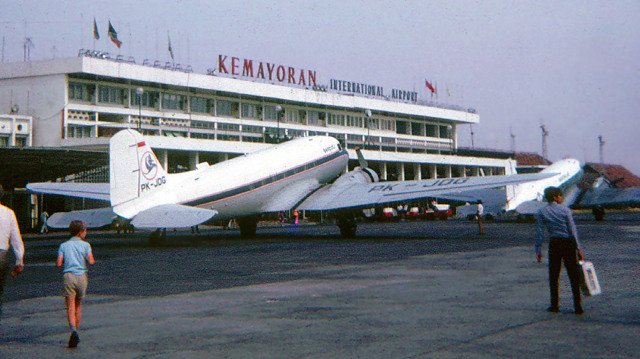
{"x":569,"y":173}
{"x":264,"y":181}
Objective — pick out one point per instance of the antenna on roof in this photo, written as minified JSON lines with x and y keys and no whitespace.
{"x":513,"y":140}
{"x":28,"y":44}
{"x":601,"y":144}
{"x":545,"y":133}
{"x":471,"y":128}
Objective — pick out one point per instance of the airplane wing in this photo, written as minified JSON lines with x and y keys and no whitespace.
{"x":172,"y":215}
{"x":290,"y":196}
{"x":604,"y":197}
{"x":530,"y":207}
{"x":72,"y":189}
{"x":487,"y":195}
{"x":95,"y":218}
{"x":361,"y":194}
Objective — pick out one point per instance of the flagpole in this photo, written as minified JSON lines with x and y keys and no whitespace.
{"x":81,"y":30}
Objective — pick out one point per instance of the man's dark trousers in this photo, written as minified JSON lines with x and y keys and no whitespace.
{"x":564,"y":250}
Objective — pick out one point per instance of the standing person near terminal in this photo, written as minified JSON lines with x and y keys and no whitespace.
{"x":73,"y":256}
{"x":564,"y":246}
{"x":479,"y":214}
{"x":9,"y":237}
{"x":44,"y":216}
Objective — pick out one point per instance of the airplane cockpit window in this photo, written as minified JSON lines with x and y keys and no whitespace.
{"x":339,"y":147}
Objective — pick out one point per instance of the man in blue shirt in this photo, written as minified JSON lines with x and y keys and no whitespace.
{"x":74,"y":255}
{"x":564,"y":246}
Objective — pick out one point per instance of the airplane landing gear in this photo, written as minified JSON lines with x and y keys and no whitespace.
{"x":598,"y":213}
{"x":346,"y":222}
{"x":158,"y":236}
{"x":248,"y":226}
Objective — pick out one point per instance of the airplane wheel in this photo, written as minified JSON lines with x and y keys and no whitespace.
{"x":248,"y":226}
{"x":598,"y":213}
{"x":157,"y":237}
{"x":347,"y":228}
{"x":346,"y":221}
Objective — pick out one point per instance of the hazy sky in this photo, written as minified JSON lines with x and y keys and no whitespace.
{"x":570,"y":65}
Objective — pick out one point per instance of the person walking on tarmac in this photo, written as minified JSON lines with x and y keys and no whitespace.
{"x":44,"y":216}
{"x":564,"y":246}
{"x":9,"y":237}
{"x":74,"y":256}
{"x":479,"y":214}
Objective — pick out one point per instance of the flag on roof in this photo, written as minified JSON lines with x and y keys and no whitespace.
{"x":113,"y":35}
{"x":170,"y":49}
{"x":430,"y":86}
{"x":96,"y":34}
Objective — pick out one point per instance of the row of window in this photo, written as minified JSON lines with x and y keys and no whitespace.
{"x":19,"y":141}
{"x":149,"y":99}
{"x":233,"y":132}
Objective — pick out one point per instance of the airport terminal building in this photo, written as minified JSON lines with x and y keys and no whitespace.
{"x":237,"y":107}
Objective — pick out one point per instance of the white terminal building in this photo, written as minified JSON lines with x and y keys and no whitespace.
{"x":188,"y":118}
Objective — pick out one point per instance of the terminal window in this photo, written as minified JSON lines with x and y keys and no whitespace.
{"x":227,"y":108}
{"x":81,"y":91}
{"x":201,"y":105}
{"x":270,"y":113}
{"x":249,"y":110}
{"x":114,"y":95}
{"x":173,"y":102}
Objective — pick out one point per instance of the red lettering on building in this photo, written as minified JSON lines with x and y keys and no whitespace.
{"x":260,"y":71}
{"x":280,"y":74}
{"x":292,"y":71}
{"x":270,"y":69}
{"x":221,"y":67}
{"x":312,"y":78}
{"x":247,"y":69}
{"x":273,"y":72}
{"x":234,"y":66}
{"x":301,"y":80}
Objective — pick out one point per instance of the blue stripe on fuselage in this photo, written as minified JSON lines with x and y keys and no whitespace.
{"x":266,"y":181}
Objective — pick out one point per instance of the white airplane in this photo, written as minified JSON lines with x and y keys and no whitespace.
{"x":524,"y":199}
{"x":604,"y":194}
{"x":306,"y":173}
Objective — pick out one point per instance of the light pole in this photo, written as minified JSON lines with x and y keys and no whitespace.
{"x":278,"y":113}
{"x":139,"y":91}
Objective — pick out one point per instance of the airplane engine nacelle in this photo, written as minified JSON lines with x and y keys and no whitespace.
{"x":358,"y":175}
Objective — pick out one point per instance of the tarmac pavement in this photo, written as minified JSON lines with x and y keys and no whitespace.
{"x":484,"y":303}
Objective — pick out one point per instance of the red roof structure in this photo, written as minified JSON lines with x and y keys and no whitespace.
{"x":530,"y":160}
{"x":619,"y":176}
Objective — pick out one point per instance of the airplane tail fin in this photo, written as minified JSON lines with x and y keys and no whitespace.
{"x":134,"y":169}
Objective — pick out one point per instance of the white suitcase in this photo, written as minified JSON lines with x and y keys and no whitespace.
{"x":589,"y":283}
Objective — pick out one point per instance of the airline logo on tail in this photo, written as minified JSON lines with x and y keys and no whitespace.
{"x":149,"y":170}
{"x":148,"y":166}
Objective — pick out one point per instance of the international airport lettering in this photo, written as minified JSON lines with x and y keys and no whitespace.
{"x":411,"y":96}
{"x":356,"y":87}
{"x":236,"y":66}
{"x":371,"y":90}
{"x":153,"y":184}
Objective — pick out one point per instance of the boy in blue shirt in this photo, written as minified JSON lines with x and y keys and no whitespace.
{"x":74,"y":256}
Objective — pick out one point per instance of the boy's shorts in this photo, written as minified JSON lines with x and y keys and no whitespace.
{"x":75,"y":285}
